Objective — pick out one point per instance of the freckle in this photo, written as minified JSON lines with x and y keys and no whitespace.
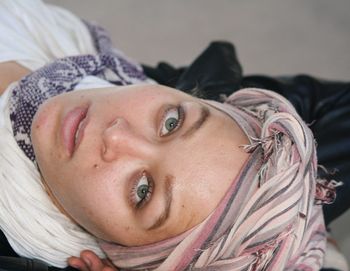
{"x":127,"y":228}
{"x":183,"y":205}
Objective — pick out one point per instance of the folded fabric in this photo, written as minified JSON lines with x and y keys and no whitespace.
{"x":269,"y":219}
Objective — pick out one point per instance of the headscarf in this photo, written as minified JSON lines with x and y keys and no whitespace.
{"x":270,"y":217}
{"x":33,"y":225}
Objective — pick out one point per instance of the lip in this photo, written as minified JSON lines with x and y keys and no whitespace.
{"x":73,"y":127}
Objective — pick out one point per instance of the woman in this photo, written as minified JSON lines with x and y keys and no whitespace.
{"x":106,"y":154}
{"x":125,"y":163}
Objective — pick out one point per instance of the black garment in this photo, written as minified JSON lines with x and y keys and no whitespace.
{"x":213,"y":73}
{"x":24,"y":264}
{"x":323,"y":104}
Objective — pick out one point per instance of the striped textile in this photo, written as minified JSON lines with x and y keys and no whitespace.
{"x":268,"y":219}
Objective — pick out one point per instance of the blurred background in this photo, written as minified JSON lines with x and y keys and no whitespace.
{"x":271,"y":37}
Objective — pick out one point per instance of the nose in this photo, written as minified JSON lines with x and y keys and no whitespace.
{"x":120,"y":139}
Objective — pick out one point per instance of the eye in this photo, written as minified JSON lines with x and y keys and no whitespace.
{"x":172,"y":119}
{"x":142,"y":190}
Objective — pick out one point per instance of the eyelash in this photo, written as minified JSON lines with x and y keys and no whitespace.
{"x":181,"y":117}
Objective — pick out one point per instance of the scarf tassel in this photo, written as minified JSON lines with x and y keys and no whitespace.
{"x":326,"y":187}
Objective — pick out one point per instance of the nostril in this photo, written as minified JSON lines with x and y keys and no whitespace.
{"x":104,"y":148}
{"x":117,"y":123}
{"x":114,"y":122}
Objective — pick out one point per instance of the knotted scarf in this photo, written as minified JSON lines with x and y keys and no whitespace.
{"x":34,"y":227}
{"x":270,"y":218}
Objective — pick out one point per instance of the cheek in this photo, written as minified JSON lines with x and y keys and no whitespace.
{"x":201,"y":188}
{"x":41,"y":122}
{"x":75,"y":191}
{"x":202,"y":181}
{"x":197,"y":195}
{"x":42,"y":115}
{"x":92,"y":200}
{"x":201,"y":175}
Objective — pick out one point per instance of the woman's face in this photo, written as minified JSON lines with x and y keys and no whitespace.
{"x":137,"y":164}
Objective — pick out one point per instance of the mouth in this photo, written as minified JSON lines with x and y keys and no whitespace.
{"x":73,"y":127}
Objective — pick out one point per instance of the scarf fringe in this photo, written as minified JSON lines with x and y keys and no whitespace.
{"x":326,"y":187}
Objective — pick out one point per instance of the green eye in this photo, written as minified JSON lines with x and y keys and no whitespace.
{"x":142,"y":191}
{"x":171,"y":124}
{"x":171,"y":121}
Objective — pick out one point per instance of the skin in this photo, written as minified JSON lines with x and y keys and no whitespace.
{"x":121,"y":140}
{"x":89,"y":261}
{"x":10,"y":71}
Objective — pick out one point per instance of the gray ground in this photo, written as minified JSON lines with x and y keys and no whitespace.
{"x":271,"y":36}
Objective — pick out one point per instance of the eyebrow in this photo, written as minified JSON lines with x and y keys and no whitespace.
{"x":168,"y":200}
{"x":204,"y":114}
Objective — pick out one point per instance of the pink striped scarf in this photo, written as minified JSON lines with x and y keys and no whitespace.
{"x":268,"y":219}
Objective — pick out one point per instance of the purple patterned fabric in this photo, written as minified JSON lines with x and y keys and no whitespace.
{"x":62,"y":76}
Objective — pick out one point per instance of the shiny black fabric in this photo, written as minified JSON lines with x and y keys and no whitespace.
{"x":24,"y":264}
{"x":213,"y":73}
{"x":325,"y":105}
